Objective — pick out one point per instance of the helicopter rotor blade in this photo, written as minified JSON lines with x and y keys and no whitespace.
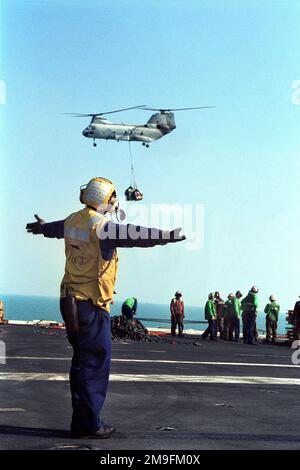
{"x":175,"y":109}
{"x":186,"y":109}
{"x":123,"y":109}
{"x":108,"y":112}
{"x":79,"y":114}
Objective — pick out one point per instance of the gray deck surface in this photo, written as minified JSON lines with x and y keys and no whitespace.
{"x":35,"y":414}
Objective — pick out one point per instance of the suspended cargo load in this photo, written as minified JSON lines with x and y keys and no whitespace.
{"x":132,"y":193}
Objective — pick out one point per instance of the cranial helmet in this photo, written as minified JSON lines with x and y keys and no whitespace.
{"x":99,"y":192}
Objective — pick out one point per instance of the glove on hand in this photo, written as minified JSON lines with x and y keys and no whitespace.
{"x":35,"y":228}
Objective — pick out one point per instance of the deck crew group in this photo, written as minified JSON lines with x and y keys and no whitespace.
{"x":225,"y":317}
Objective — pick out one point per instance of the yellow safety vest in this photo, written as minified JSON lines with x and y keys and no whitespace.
{"x":87,"y":274}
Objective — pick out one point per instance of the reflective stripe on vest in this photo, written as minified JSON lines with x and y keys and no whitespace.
{"x":77,"y":234}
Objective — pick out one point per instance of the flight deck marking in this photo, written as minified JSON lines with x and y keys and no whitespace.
{"x":8,"y":410}
{"x":260,"y":355}
{"x":206,"y":363}
{"x":204,"y":379}
{"x":37,"y":358}
{"x":162,"y":361}
{"x":164,"y":378}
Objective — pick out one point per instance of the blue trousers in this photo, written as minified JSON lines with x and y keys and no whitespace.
{"x":90,"y":366}
{"x":234,"y":329}
{"x":250,"y":319}
{"x":211,"y":330}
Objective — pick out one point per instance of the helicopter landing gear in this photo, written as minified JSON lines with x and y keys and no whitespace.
{"x":94,"y":143}
{"x":146,"y":145}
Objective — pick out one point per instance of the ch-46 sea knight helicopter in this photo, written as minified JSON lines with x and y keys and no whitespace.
{"x":159,"y":124}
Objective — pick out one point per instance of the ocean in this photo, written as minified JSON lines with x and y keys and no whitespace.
{"x":21,"y":307}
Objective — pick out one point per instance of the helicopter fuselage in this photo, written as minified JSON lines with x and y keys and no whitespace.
{"x":158,"y":125}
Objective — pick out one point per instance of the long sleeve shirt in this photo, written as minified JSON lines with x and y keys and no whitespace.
{"x":272,"y":310}
{"x":236,"y":307}
{"x":210,"y":310}
{"x":250,"y":303}
{"x":131,"y":302}
{"x":115,"y":236}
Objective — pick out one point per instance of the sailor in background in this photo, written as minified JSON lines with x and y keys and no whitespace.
{"x":228,"y":318}
{"x":210,"y":316}
{"x":219,"y":303}
{"x":272,"y":310}
{"x":87,"y":290}
{"x":234,"y":326}
{"x":296,"y":317}
{"x":250,"y":309}
{"x":129,"y":308}
{"x":177,"y":314}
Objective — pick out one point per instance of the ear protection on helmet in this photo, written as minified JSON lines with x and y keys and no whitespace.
{"x":113,"y":203}
{"x":87,"y":197}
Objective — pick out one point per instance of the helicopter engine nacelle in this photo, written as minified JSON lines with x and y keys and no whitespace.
{"x":164,"y":121}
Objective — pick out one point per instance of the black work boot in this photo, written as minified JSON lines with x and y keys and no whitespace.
{"x":102,"y":433}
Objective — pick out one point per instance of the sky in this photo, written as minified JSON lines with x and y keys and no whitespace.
{"x":238,"y":161}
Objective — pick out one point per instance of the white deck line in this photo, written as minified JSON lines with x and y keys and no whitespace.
{"x":11,"y":410}
{"x":163,"y":378}
{"x":207,"y":363}
{"x":159,"y":361}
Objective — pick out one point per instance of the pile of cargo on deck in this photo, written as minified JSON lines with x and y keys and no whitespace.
{"x":133,"y":330}
{"x":293,"y":326}
{"x":2,"y":313}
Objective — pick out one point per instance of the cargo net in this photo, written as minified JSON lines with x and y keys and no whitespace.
{"x":132,"y":193}
{"x":131,"y":330}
